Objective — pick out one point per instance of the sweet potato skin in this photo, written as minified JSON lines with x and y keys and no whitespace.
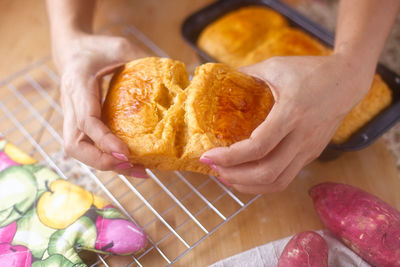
{"x":365,"y":223}
{"x":305,"y":249}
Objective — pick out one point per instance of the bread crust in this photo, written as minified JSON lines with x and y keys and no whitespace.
{"x":168,"y":122}
{"x":230,"y":38}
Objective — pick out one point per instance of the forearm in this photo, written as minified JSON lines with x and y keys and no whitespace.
{"x":363,"y":28}
{"x":69,"y":20}
{"x":70,"y":16}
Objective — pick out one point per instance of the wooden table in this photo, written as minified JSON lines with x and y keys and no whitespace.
{"x":25,"y":39}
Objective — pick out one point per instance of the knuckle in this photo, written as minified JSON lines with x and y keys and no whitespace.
{"x":259,"y":175}
{"x":266,"y":174}
{"x":104,"y":164}
{"x":257,"y":149}
{"x":102,"y":142}
{"x":122,"y":44}
{"x":68,"y":148}
{"x":81,"y":122}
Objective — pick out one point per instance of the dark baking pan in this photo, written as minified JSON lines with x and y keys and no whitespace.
{"x":194,"y":24}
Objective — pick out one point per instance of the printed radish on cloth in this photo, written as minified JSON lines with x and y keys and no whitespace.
{"x":46,"y":220}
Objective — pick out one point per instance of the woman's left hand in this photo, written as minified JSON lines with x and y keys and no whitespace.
{"x":312,"y":96}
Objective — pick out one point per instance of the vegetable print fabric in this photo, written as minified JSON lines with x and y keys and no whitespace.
{"x":46,"y":220}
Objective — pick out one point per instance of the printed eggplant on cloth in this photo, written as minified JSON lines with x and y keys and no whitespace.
{"x":46,"y":220}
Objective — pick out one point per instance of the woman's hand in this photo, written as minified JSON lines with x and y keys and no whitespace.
{"x":313,"y":95}
{"x":82,"y":61}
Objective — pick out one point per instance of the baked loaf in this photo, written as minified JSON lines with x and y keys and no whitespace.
{"x":253,"y":34}
{"x":286,"y":41}
{"x":233,"y":36}
{"x":168,"y":121}
{"x":378,"y":98}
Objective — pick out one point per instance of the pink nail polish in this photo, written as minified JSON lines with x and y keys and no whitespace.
{"x":123,"y":166}
{"x":206,"y":160}
{"x":119,"y":156}
{"x":139,"y":174}
{"x":223,"y":181}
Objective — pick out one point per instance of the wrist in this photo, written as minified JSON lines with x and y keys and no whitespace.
{"x":64,"y":36}
{"x":354,"y":70}
{"x":355,"y":73}
{"x":65,"y":47}
{"x":357,"y":56}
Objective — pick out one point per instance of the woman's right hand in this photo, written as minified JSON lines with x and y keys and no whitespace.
{"x":82,"y":61}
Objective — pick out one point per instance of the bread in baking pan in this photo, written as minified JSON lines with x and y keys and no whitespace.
{"x":232,"y":37}
{"x":255,"y":33}
{"x":288,"y":42}
{"x":168,"y":122}
{"x":379,"y":97}
{"x":223,"y":40}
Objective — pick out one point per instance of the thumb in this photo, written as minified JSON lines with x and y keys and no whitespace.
{"x":268,"y":72}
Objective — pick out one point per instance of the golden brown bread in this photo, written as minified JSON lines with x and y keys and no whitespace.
{"x":231,"y":37}
{"x":169,"y":122}
{"x":223,"y":40}
{"x":376,"y":100}
{"x":288,"y":42}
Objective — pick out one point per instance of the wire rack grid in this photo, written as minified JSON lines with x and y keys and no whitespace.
{"x":177,"y":210}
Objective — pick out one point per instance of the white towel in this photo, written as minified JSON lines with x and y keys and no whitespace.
{"x":268,"y":254}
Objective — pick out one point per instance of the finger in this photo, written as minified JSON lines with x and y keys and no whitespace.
{"x":88,"y":113}
{"x":280,"y":184}
{"x":263,"y":139}
{"x":103,"y":137}
{"x":89,"y":154}
{"x":266,"y":170}
{"x":82,"y":150}
{"x":93,"y":156}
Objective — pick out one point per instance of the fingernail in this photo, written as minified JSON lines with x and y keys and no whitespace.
{"x":119,"y":156}
{"x":123,"y":166}
{"x":212,"y":166}
{"x":139,"y":174}
{"x":206,"y":160}
{"x":223,"y":181}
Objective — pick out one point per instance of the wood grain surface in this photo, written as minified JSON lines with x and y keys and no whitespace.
{"x":24,"y":39}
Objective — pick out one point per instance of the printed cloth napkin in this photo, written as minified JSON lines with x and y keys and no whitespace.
{"x":267,"y":255}
{"x":46,"y":220}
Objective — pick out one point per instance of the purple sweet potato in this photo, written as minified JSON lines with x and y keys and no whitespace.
{"x":366,"y":224}
{"x":306,"y":249}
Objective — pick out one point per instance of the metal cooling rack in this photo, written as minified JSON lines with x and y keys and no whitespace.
{"x":177,"y":210}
